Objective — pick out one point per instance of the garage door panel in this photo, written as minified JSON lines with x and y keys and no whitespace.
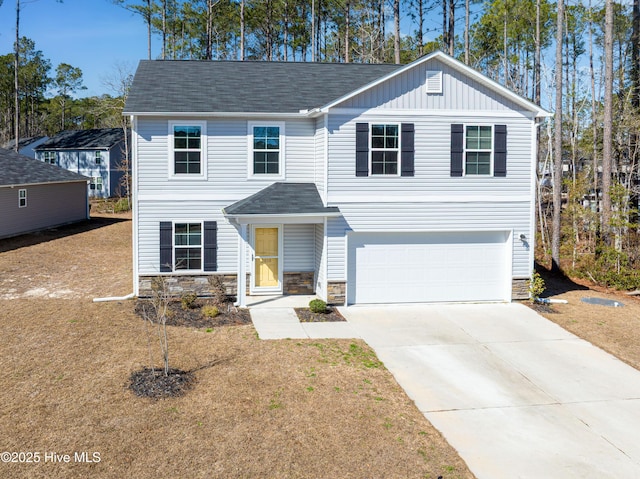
{"x":427,"y":267}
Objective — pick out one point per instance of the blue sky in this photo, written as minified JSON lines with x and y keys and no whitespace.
{"x":94,"y":35}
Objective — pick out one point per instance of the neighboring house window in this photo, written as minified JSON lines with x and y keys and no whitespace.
{"x":50,"y":157}
{"x":96,"y":183}
{"x":98,"y":157}
{"x":190,"y":246}
{"x":266,"y":147}
{"x":478,"y":150}
{"x":384,"y":149}
{"x":22,"y":198}
{"x":187,"y":143}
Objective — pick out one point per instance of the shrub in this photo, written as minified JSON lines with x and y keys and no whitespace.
{"x":218,"y":291}
{"x":210,"y":311}
{"x":317,"y":306}
{"x":536,"y":286}
{"x":121,"y":206}
{"x":188,"y":300}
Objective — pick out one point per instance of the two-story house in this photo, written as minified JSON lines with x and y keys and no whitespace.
{"x":99,"y":153}
{"x":360,"y":183}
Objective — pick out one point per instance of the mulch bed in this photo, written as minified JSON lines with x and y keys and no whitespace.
{"x":194,"y":318}
{"x":154,"y":384}
{"x":306,"y":316}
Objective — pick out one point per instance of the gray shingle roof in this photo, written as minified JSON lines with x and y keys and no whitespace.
{"x":96,"y":139}
{"x":16,"y":169}
{"x":189,"y":86}
{"x":282,"y":199}
{"x":22,"y":143}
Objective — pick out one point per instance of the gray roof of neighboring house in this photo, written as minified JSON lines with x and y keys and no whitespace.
{"x":282,"y":199}
{"x":16,"y":169}
{"x":22,"y":142}
{"x":95,"y":139}
{"x":190,"y":86}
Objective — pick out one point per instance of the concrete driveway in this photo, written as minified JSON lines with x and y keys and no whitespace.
{"x":515,"y":394}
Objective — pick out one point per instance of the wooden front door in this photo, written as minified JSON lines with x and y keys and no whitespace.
{"x":266,"y":258}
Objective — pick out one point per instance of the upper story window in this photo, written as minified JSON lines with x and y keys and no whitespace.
{"x":49,"y":157}
{"x":187,"y":143}
{"x":22,"y":198}
{"x":384,"y":149}
{"x":266,"y":149}
{"x":98,"y":158}
{"x":478,"y":149}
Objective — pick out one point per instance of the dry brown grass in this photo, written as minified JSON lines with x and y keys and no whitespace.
{"x":271,"y":409}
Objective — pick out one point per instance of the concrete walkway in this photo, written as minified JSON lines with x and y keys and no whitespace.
{"x":516,"y":395}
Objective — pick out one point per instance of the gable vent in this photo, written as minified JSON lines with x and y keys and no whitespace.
{"x":434,"y":81}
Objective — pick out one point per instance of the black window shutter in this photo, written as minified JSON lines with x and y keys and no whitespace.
{"x":210,"y":246}
{"x":166,"y":242}
{"x":408,"y":149}
{"x":362,"y":149}
{"x":500,"y":150}
{"x":457,"y":149}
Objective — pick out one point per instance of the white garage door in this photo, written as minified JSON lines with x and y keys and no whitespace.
{"x":428,"y":267}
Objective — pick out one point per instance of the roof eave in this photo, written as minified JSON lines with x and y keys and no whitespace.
{"x":225,"y":114}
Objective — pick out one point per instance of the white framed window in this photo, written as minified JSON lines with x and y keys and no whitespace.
{"x":187,"y":149}
{"x":187,"y":246}
{"x":385,"y":148}
{"x":478,"y":150}
{"x":266,"y":149}
{"x":96,"y":183}
{"x":434,"y":81}
{"x":49,"y":157}
{"x":22,"y":198}
{"x":98,"y":157}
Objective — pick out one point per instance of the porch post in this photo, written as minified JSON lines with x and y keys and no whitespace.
{"x":242,"y":260}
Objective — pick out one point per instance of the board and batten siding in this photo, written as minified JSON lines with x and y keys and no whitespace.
{"x":227,"y":159}
{"x":446,"y":217}
{"x":407,"y":90}
{"x":48,"y":205}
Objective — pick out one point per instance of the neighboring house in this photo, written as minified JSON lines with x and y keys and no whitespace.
{"x":35,"y":196}
{"x":360,"y":183}
{"x":98,"y":154}
{"x":26,"y":146}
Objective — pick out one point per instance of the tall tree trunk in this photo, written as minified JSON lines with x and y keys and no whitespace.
{"x":313,"y":30}
{"x":16,"y":85}
{"x":607,"y":139}
{"x":452,"y":21}
{"x":635,"y":54}
{"x":164,"y":29}
{"x":594,"y":123}
{"x":466,"y":31}
{"x":420,"y":35}
{"x":396,"y":35}
{"x":285,"y":33}
{"x":241,"y":30}
{"x":148,"y":20}
{"x":347,"y":32}
{"x":557,"y":156}
{"x":445,"y":33}
{"x":536,"y":58}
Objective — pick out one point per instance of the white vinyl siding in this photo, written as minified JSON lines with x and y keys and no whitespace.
{"x":299,"y":249}
{"x":320,"y":257}
{"x":407,"y":91}
{"x":152,"y":213}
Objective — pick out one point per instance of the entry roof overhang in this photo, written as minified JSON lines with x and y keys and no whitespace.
{"x":281,"y":203}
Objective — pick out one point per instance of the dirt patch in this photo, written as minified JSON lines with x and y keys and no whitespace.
{"x":331,"y":315}
{"x":155,"y":384}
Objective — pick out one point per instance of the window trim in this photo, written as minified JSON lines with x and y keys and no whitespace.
{"x":281,"y":150}
{"x":203,"y":150}
{"x":466,"y":150}
{"x":173,"y":246}
{"x":46,"y":157}
{"x":398,"y":149}
{"x":22,"y":198}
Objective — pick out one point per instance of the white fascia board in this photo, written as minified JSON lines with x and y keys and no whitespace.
{"x":337,"y":199}
{"x":457,"y":65}
{"x":215,"y":114}
{"x":307,"y":218}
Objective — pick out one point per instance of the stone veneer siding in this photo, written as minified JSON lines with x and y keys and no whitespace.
{"x":520,"y":289}
{"x":298,"y":283}
{"x":336,"y":292}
